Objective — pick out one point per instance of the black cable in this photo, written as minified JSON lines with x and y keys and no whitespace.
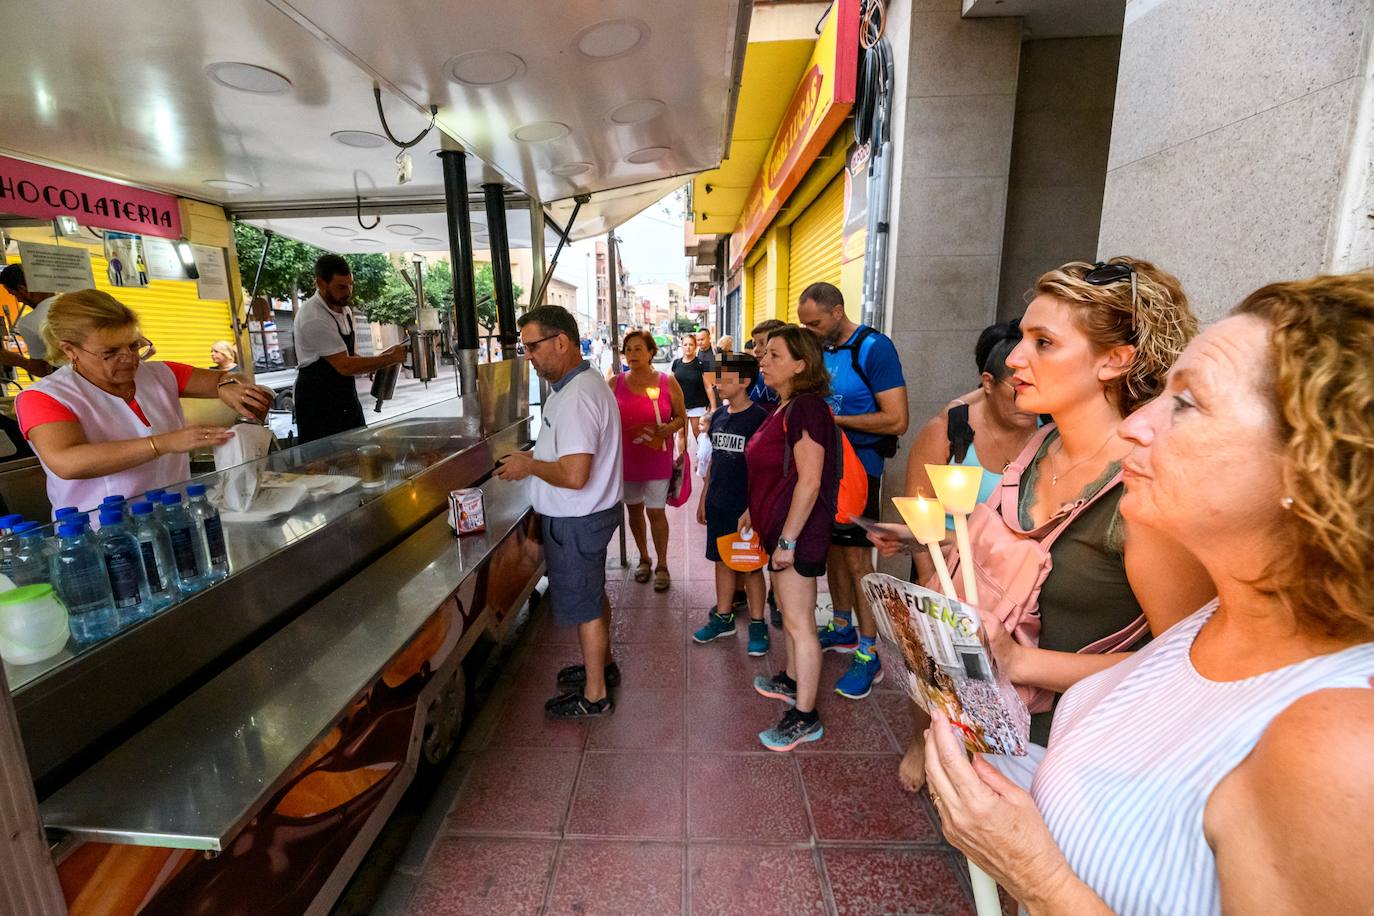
{"x":358,"y":205}
{"x":433,"y":113}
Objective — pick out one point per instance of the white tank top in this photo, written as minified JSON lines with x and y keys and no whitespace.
{"x":105,"y":417}
{"x":1136,"y":751}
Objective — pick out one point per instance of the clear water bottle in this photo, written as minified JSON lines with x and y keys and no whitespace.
{"x":159,"y":568}
{"x":32,"y":559}
{"x":82,"y":585}
{"x":188,"y":550}
{"x":155,"y":497}
{"x":124,"y":566}
{"x":7,"y":523}
{"x":211,"y":531}
{"x":8,"y":545}
{"x":115,"y":502}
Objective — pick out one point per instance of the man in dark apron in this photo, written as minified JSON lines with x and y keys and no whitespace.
{"x":326,"y":393}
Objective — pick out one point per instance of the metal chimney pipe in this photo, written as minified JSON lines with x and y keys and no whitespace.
{"x":460,"y":256}
{"x":494,"y":196}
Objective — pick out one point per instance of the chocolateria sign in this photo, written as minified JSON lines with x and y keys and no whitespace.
{"x":29,"y":189}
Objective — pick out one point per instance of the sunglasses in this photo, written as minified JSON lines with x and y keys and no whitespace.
{"x":1107,"y":274}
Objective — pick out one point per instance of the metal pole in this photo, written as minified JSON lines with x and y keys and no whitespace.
{"x":537,"y":265}
{"x":494,"y":196}
{"x":612,"y":278}
{"x":460,"y":256}
{"x":267,"y":235}
{"x":578,"y":201}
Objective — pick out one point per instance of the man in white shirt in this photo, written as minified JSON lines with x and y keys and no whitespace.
{"x":29,"y":325}
{"x":575,"y":485}
{"x":326,"y":395}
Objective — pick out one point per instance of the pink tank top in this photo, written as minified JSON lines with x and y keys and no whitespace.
{"x":637,"y":412}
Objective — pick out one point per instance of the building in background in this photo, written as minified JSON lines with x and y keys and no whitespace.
{"x":667,"y":302}
{"x":624,"y":291}
{"x":563,"y":293}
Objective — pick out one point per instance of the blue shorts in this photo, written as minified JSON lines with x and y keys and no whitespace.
{"x":575,"y":559}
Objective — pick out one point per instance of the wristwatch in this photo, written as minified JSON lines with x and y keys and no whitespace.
{"x":785,"y":544}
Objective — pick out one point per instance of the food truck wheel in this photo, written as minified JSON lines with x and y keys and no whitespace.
{"x":444,"y":719}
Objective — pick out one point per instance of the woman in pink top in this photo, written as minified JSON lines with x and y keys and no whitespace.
{"x":651,"y":413}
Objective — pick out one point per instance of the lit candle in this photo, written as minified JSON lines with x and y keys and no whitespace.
{"x":926,"y":519}
{"x":957,"y":488}
{"x":658,"y":417}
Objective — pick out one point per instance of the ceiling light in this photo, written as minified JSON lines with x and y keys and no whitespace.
{"x":485,"y":68}
{"x":247,"y":78}
{"x":637,"y":111}
{"x":404,"y":229}
{"x":648,"y":154}
{"x":341,"y":230}
{"x":228,"y":184}
{"x":428,"y":240}
{"x":369,"y":243}
{"x":361,"y":139}
{"x":612,"y":38}
{"x":541,"y":131}
{"x":569,"y":169}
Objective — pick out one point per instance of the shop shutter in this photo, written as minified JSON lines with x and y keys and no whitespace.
{"x":753,"y":296}
{"x":180,"y":324}
{"x":817,"y":237}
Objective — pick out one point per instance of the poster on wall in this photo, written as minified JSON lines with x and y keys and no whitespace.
{"x":855,"y":203}
{"x":56,"y":268}
{"x":124,"y":264}
{"x":214,"y":277}
{"x":162,"y":260}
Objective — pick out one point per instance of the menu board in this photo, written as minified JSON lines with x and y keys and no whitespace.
{"x":56,"y":268}
{"x":214,"y":276}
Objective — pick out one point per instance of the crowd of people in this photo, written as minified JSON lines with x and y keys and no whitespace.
{"x":1178,"y":523}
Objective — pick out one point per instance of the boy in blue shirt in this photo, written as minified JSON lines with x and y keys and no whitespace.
{"x":725,"y":497}
{"x":868,"y":396}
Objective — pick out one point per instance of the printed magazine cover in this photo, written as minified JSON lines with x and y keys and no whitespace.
{"x":948,"y":664}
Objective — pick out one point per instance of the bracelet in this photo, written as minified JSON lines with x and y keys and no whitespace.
{"x":152,"y":443}
{"x":226,"y":379}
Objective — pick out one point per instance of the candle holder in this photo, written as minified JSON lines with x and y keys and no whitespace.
{"x":926,"y":519}
{"x":658,"y":417}
{"x":957,"y":488}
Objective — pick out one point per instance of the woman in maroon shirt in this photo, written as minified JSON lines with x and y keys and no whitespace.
{"x":792,"y":491}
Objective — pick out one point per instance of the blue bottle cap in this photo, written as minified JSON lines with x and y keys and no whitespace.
{"x":26,"y":526}
{"x":70,"y":530}
{"x":144,"y":508}
{"x":111,"y":517}
{"x":196,"y":489}
{"x":171,"y":499}
{"x":154,"y":495}
{"x":64,"y":512}
{"x":112,"y":500}
{"x":81,"y":518}
{"x":9,"y":521}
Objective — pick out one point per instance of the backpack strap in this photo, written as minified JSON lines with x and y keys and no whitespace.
{"x":854,"y":346}
{"x":958,"y":432}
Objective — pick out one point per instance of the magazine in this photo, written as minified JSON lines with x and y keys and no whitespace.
{"x":948,"y":665}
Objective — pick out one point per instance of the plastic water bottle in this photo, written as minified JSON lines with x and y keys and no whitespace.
{"x":188,"y":550}
{"x":7,"y":523}
{"x":115,"y":502}
{"x":32,"y":559}
{"x":155,"y":497}
{"x":8,"y":543}
{"x":124,"y":566}
{"x":211,"y":530}
{"x":64,"y":513}
{"x":82,"y":585}
{"x":164,"y":585}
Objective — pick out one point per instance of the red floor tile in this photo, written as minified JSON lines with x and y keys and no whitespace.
{"x":636,"y":594}
{"x":745,"y":796}
{"x":725,"y":663}
{"x":850,"y":726}
{"x":660,"y":665}
{"x":523,"y":723}
{"x":476,"y":877}
{"x":858,"y":798}
{"x":540,"y":670}
{"x":645,"y":625}
{"x":628,"y":794}
{"x":617,"y":879}
{"x":896,"y":711}
{"x":544,"y":632}
{"x":515,"y":791}
{"x":728,"y":720}
{"x":646,"y":718}
{"x":754,"y":881}
{"x":902,"y":882}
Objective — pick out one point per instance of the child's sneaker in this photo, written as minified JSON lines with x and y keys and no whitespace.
{"x":791,"y":731}
{"x":716,"y":627}
{"x":758,"y":638}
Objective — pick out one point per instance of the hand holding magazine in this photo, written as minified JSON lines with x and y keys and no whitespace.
{"x":948,"y":664}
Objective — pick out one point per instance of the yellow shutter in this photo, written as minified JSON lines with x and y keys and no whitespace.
{"x":752,"y":296}
{"x":180,"y":324}
{"x":817,"y":236}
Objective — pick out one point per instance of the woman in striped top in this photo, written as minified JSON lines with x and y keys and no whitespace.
{"x":1212,"y":771}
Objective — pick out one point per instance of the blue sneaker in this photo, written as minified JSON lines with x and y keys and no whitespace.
{"x":791,"y":731}
{"x":758,"y":638}
{"x":863,"y":673}
{"x":716,"y":627}
{"x":838,"y":639}
{"x":775,"y":689}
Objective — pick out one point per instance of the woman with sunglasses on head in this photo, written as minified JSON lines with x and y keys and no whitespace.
{"x":109,"y":422}
{"x":1097,"y":342}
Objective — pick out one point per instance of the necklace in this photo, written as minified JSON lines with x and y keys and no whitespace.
{"x":1055,"y":475}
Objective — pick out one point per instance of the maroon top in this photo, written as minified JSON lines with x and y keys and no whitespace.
{"x":770,"y":493}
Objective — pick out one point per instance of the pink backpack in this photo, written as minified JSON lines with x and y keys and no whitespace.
{"x":1010,"y":564}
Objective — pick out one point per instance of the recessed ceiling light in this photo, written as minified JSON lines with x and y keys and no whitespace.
{"x":540,"y":131}
{"x":485,"y":68}
{"x":637,"y":111}
{"x":369,"y":243}
{"x":340,"y":230}
{"x":611,"y":38}
{"x":247,"y":78}
{"x":428,"y":240}
{"x":648,"y":154}
{"x":569,"y":169}
{"x":228,"y":184}
{"x":405,"y":229}
{"x":362,"y":139}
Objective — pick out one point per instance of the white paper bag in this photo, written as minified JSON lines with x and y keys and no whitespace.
{"x":240,"y":485}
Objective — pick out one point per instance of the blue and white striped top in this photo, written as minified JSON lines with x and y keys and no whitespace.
{"x":1136,"y":751}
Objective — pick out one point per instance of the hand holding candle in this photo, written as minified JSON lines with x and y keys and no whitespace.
{"x":926,"y":519}
{"x":658,"y":417}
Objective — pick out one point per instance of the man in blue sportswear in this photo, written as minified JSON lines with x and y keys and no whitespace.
{"x":868,"y":396}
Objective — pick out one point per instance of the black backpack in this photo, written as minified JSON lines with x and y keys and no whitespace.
{"x":885,"y":446}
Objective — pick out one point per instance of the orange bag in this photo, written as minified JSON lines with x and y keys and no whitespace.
{"x":742,"y":551}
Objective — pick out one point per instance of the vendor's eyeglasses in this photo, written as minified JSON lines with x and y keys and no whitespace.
{"x":141,"y":350}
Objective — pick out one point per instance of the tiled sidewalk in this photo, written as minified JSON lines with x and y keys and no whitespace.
{"x":670,"y":805}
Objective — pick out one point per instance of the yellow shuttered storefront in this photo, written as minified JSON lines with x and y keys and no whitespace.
{"x":816,"y":244}
{"x":755,"y":298}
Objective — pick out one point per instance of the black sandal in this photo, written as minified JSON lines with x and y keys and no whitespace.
{"x":576,"y":706}
{"x":574,"y":677}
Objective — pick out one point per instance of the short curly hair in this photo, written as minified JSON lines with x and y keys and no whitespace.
{"x":1159,"y":323}
{"x":1321,"y":386}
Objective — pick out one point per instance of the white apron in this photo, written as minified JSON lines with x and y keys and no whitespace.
{"x":105,"y":417}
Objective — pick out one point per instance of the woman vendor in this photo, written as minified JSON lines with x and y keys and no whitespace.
{"x":109,"y":421}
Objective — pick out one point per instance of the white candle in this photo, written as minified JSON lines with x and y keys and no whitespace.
{"x":926,"y":519}
{"x":957,"y":488}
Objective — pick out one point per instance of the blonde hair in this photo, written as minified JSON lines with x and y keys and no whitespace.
{"x":227,"y":347}
{"x":726,"y":343}
{"x":1321,"y":386}
{"x":76,"y":316}
{"x":1159,"y":323}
